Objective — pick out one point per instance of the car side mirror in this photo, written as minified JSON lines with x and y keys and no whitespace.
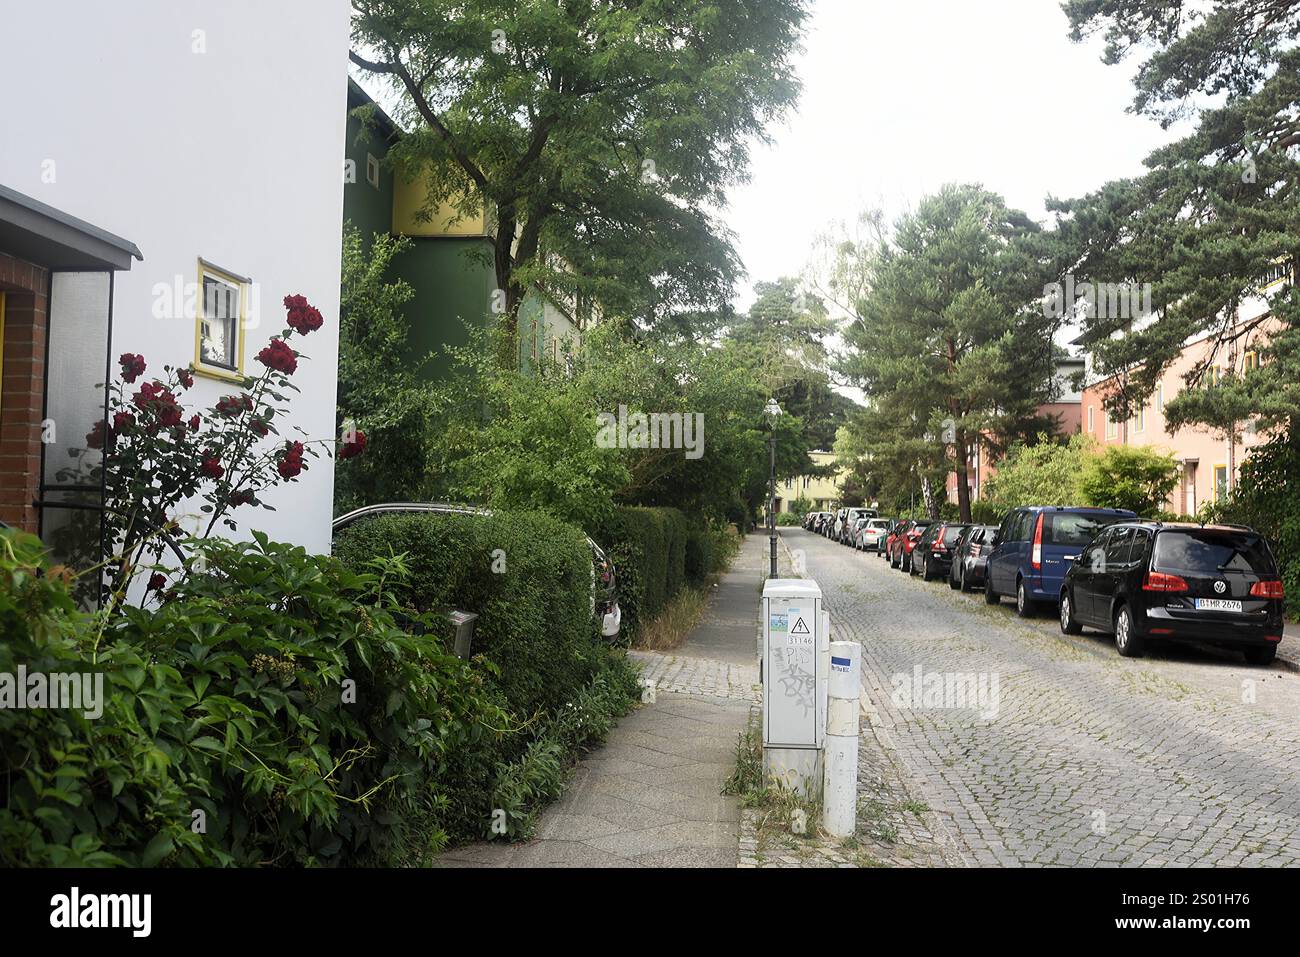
{"x":995,"y":540}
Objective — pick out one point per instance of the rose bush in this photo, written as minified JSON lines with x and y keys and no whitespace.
{"x":160,"y":458}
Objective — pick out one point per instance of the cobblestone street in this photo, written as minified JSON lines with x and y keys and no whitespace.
{"x":1185,"y":757}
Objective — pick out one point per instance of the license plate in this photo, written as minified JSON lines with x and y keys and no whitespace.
{"x":1218,"y":604}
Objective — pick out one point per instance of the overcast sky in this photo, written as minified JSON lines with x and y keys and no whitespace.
{"x":902,"y":97}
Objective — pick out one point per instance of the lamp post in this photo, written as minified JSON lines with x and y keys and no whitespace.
{"x":773,"y":412}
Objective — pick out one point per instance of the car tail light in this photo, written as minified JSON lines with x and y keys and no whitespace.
{"x":1160,"y":581}
{"x":1271,"y":589}
{"x":1038,"y":542}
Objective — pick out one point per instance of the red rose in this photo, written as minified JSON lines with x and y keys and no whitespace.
{"x":244,"y":497}
{"x":290,"y":463}
{"x":186,"y":378}
{"x":170,"y":415}
{"x":210,"y":465}
{"x":132,"y":366}
{"x":147,"y":393}
{"x":194,"y":423}
{"x":157,"y":581}
{"x":233,"y":405}
{"x":355,"y":447}
{"x":122,"y":420}
{"x":279,"y":356}
{"x":303,"y":316}
{"x":259,"y":426}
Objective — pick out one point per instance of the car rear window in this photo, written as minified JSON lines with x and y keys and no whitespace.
{"x":952,"y":533}
{"x":1212,"y":553}
{"x":1074,"y":529}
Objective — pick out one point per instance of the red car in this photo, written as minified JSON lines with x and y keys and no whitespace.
{"x":891,"y":541}
{"x":906,"y":538}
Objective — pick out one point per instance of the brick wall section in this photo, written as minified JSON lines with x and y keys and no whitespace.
{"x":22,"y":392}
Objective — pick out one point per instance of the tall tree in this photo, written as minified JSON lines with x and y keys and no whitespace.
{"x":1216,"y":212}
{"x":596,"y":134}
{"x":783,"y":341}
{"x":951,"y":340}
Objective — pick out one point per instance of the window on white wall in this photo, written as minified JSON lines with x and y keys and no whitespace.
{"x":1160,"y":397}
{"x":219,"y":332}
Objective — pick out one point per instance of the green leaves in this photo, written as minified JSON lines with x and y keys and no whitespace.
{"x":1137,"y":478}
{"x":596,"y":133}
{"x":947,"y":339}
{"x":1216,"y":212}
{"x":228,"y":699}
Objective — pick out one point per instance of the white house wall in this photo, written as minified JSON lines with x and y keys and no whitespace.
{"x":197,"y":129}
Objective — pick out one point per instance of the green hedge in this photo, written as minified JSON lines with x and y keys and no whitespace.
{"x":657,"y":552}
{"x":271,"y":698}
{"x":648,"y":548}
{"x":287,"y":702}
{"x":527,"y":576}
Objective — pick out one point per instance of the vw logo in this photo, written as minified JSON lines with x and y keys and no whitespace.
{"x":1220,"y":587}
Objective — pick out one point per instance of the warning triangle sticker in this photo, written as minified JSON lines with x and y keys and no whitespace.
{"x":799,"y":627}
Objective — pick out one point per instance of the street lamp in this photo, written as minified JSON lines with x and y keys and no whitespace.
{"x":773,"y":412}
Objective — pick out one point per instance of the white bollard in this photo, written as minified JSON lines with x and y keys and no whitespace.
{"x":840,"y":781}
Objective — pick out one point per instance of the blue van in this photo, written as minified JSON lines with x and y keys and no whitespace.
{"x":1035,"y":547}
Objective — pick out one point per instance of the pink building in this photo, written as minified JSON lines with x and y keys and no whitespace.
{"x":1210,"y":459}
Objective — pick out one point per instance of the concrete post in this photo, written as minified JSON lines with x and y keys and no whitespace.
{"x":840,"y":784}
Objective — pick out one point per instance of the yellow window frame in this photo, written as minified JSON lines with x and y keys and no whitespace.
{"x":1250,"y":361}
{"x":243,"y":285}
{"x":1214,"y":479}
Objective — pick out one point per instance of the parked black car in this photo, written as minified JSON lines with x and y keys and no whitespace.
{"x":1216,"y":584}
{"x":971,"y":557}
{"x":933,"y":553}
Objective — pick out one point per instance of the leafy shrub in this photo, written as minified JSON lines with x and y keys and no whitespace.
{"x":538,"y":776}
{"x":79,"y":791}
{"x":648,"y":547}
{"x":984,"y":512}
{"x":272,"y":691}
{"x":788,"y":518}
{"x":1137,"y":478}
{"x":1044,"y":473}
{"x":527,"y":576}
{"x":155,"y":455}
{"x":1267,"y":497}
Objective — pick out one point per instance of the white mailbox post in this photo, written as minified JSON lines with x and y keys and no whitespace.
{"x":794,"y":682}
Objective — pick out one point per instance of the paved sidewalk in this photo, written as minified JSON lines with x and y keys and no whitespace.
{"x":652,"y":795}
{"x":894,"y":828}
{"x":1288,"y":652}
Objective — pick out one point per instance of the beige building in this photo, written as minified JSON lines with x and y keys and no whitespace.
{"x":824,"y":493}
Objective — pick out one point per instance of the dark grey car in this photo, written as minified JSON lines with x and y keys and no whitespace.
{"x":971,"y":557}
